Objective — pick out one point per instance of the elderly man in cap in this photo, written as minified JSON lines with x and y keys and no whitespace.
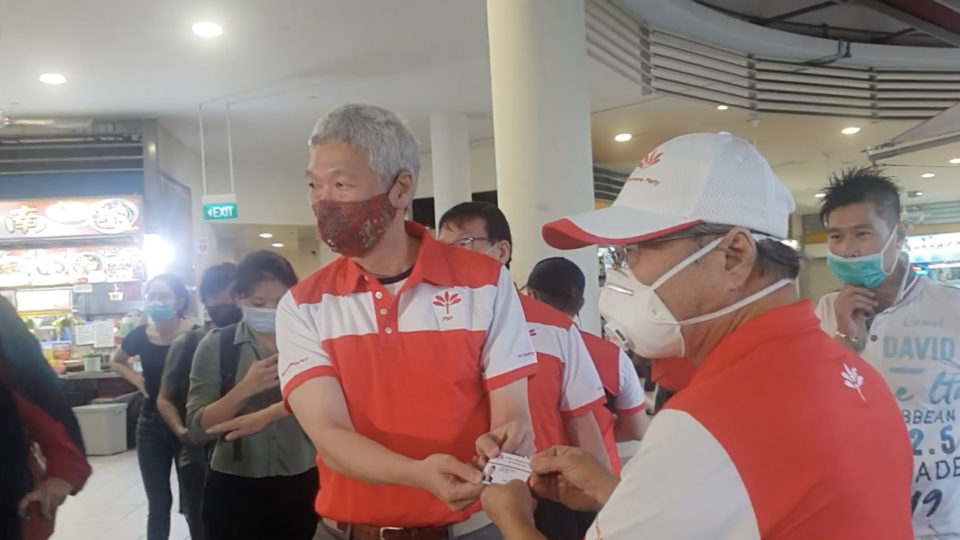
{"x":782,"y":432}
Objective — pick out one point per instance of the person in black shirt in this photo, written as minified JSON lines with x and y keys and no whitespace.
{"x":172,"y":401}
{"x":157,"y":446}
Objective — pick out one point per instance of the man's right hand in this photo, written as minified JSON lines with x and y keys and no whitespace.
{"x":852,"y":306}
{"x":455,"y":483}
{"x":572,"y":477}
{"x":261,"y":376}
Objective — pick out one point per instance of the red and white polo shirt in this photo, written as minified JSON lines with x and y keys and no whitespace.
{"x":415,"y":368}
{"x":566,"y":384}
{"x":781,"y":434}
{"x":621,"y":385}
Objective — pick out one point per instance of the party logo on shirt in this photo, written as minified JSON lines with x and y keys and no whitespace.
{"x":852,"y":379}
{"x":446,"y":301}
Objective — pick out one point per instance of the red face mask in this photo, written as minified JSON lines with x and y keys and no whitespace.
{"x":353,"y":228}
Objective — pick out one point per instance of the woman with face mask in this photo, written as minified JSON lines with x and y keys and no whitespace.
{"x":167,"y":301}
{"x":262,"y":476}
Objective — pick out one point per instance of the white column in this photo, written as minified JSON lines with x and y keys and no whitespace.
{"x":450,"y":154}
{"x":541,"y":124}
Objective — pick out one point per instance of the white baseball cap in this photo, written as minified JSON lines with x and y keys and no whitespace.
{"x":696,"y":178}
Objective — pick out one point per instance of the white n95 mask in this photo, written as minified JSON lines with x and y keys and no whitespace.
{"x":641,"y":322}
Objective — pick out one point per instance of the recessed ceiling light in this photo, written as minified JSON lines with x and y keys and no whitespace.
{"x":53,"y":78}
{"x":266,"y":235}
{"x":722,"y":107}
{"x":927,"y":175}
{"x":955,"y":161}
{"x":852,"y":130}
{"x":207,"y":30}
{"x":277,"y":244}
{"x":623,"y":137}
{"x":819,"y":195}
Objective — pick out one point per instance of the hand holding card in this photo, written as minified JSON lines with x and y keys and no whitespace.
{"x":455,"y":483}
{"x":505,"y":468}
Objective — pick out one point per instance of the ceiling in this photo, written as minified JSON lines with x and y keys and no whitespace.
{"x":924,"y":23}
{"x":281,"y":64}
{"x":803,"y":150}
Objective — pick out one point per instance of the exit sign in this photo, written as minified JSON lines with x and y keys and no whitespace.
{"x":217,"y":211}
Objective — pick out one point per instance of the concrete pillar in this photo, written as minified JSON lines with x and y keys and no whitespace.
{"x":450,"y":154}
{"x":541,"y":121}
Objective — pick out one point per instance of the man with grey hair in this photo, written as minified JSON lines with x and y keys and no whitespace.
{"x":405,"y":359}
{"x":782,"y":433}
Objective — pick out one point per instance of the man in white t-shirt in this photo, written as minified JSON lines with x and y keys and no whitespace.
{"x":903,"y":324}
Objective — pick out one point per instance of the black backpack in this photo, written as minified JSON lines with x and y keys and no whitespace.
{"x":191,"y":341}
{"x":229,"y":360}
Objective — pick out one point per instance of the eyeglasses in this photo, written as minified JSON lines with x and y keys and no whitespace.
{"x":626,"y":256}
{"x":467,"y":241}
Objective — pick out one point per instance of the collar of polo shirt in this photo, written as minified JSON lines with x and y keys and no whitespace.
{"x":429,"y":266}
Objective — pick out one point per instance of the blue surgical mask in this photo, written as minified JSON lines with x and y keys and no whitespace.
{"x":159,"y":311}
{"x":262,"y":320}
{"x":867,"y":271}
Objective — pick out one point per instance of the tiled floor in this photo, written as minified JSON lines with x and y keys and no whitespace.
{"x":113,"y":505}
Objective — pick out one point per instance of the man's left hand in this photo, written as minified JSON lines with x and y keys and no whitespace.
{"x":49,"y":494}
{"x":242,"y":426}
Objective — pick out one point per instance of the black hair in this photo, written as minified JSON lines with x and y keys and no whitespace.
{"x":859,"y":185}
{"x":495,"y":223}
{"x":216,"y":278}
{"x":773,"y":256}
{"x":262,"y":265}
{"x":559,"y":283}
{"x":179,"y":291}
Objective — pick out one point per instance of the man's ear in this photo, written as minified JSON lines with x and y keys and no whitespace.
{"x":505,"y":251}
{"x":401,"y":193}
{"x":740,"y":251}
{"x":902,"y":229}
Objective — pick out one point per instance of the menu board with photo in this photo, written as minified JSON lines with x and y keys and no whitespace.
{"x":69,"y":218}
{"x":68,"y":266}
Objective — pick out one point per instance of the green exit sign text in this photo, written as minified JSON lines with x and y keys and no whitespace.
{"x":213,"y":212}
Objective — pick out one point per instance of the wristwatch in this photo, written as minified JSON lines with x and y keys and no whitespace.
{"x":852,"y":339}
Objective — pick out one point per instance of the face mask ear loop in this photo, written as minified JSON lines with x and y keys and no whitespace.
{"x":738,"y":304}
{"x":883,"y":252}
{"x":686,"y":262}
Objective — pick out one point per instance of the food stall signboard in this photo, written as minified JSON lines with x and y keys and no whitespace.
{"x":72,"y":265}
{"x":69,"y":218}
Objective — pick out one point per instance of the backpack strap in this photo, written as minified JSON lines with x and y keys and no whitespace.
{"x":190,"y":343}
{"x":229,"y":360}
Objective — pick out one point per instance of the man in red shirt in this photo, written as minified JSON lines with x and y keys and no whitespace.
{"x":566,"y":388}
{"x":403,"y":359}
{"x":559,"y":283}
{"x":782,"y":433}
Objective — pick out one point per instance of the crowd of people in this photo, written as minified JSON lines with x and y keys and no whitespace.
{"x":367,"y":397}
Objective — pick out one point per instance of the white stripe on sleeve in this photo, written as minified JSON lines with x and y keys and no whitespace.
{"x":681,"y":484}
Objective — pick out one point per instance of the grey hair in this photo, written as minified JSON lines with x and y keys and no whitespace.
{"x":390,"y":147}
{"x":773,"y":256}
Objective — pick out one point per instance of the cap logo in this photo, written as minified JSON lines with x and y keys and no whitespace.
{"x":644,"y":180}
{"x":650,"y":159}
